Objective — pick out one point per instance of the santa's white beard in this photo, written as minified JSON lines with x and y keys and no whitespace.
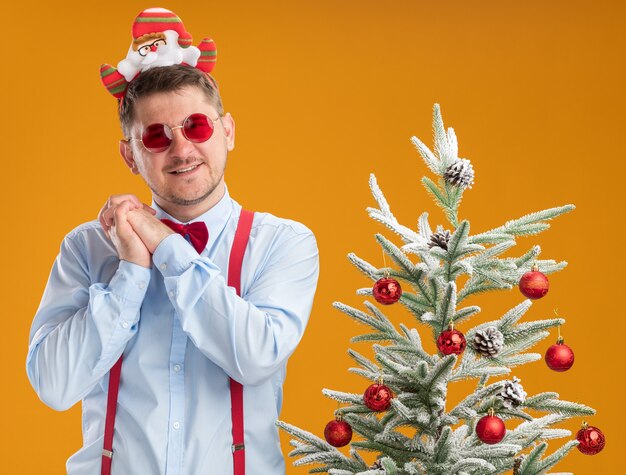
{"x":149,"y":58}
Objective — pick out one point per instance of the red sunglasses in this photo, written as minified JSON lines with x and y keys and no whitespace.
{"x":196,"y":128}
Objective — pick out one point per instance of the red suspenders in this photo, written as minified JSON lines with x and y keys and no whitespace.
{"x":114,"y":385}
{"x":236,"y":390}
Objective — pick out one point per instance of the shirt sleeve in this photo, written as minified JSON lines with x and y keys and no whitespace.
{"x":81,"y":328}
{"x":250,"y":338}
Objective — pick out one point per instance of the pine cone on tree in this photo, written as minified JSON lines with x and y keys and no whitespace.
{"x":376,"y":466}
{"x":512,"y":394}
{"x":460,"y":173}
{"x":517,"y":464}
{"x":488,"y":342}
{"x":441,"y":239}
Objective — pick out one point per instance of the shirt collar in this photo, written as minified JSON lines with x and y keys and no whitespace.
{"x":215,"y":218}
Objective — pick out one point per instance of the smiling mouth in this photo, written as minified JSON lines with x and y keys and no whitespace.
{"x":182,"y":171}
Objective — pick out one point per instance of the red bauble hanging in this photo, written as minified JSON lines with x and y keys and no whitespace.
{"x":534,"y":284}
{"x":591,"y":440}
{"x":387,"y":291}
{"x":338,"y":432}
{"x":490,"y":429}
{"x":378,"y":397}
{"x":451,"y":341}
{"x":559,"y":357}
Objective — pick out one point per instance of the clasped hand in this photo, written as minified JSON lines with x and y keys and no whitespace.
{"x":133,"y":228}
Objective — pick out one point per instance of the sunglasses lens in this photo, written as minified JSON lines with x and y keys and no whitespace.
{"x":198,"y":128}
{"x":156,"y":138}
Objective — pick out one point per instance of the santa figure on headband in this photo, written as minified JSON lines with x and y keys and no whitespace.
{"x":159,"y":39}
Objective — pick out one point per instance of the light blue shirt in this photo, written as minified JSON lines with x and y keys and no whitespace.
{"x":183,"y":332}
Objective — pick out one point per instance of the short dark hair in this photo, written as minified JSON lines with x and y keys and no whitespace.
{"x":166,"y":79}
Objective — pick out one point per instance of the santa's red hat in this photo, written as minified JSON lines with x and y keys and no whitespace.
{"x":158,"y":20}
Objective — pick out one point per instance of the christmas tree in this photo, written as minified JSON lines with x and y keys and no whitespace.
{"x":403,"y":416}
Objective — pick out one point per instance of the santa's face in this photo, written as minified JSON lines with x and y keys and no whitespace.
{"x":152,"y":47}
{"x":161,"y":51}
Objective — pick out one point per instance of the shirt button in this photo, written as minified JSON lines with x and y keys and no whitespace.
{"x":124,"y":324}
{"x":163,"y":266}
{"x":141,"y":285}
{"x":177,"y":368}
{"x":176,"y":425}
{"x":172,"y":293}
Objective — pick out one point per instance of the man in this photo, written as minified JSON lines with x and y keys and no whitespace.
{"x":130,"y":285}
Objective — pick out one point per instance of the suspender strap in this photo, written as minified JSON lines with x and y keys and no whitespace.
{"x":239,"y":248}
{"x":236,"y":390}
{"x":109,"y":423}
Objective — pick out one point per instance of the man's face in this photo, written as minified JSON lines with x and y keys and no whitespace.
{"x":187,"y":174}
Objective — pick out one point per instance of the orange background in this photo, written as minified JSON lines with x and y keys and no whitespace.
{"x":323,"y":94}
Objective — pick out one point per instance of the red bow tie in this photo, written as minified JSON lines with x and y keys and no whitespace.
{"x":196,"y":233}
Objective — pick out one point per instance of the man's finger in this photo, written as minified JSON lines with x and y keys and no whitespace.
{"x":148,"y":209}
{"x":119,"y":214}
{"x":105,"y":221}
{"x":115,"y":200}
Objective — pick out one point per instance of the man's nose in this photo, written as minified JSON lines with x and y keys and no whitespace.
{"x":153,"y":48}
{"x":180,"y":146}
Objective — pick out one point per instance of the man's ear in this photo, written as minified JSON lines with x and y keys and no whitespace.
{"x":229,"y":131}
{"x":127,"y":154}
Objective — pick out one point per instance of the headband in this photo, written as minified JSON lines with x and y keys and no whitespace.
{"x":159,"y":39}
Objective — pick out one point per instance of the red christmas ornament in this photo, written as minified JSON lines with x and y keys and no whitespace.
{"x":378,"y":397}
{"x":387,"y":291}
{"x":451,"y":341}
{"x":591,"y":440}
{"x":490,"y":429}
{"x":534,"y":284}
{"x":338,"y":432}
{"x":559,"y":357}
